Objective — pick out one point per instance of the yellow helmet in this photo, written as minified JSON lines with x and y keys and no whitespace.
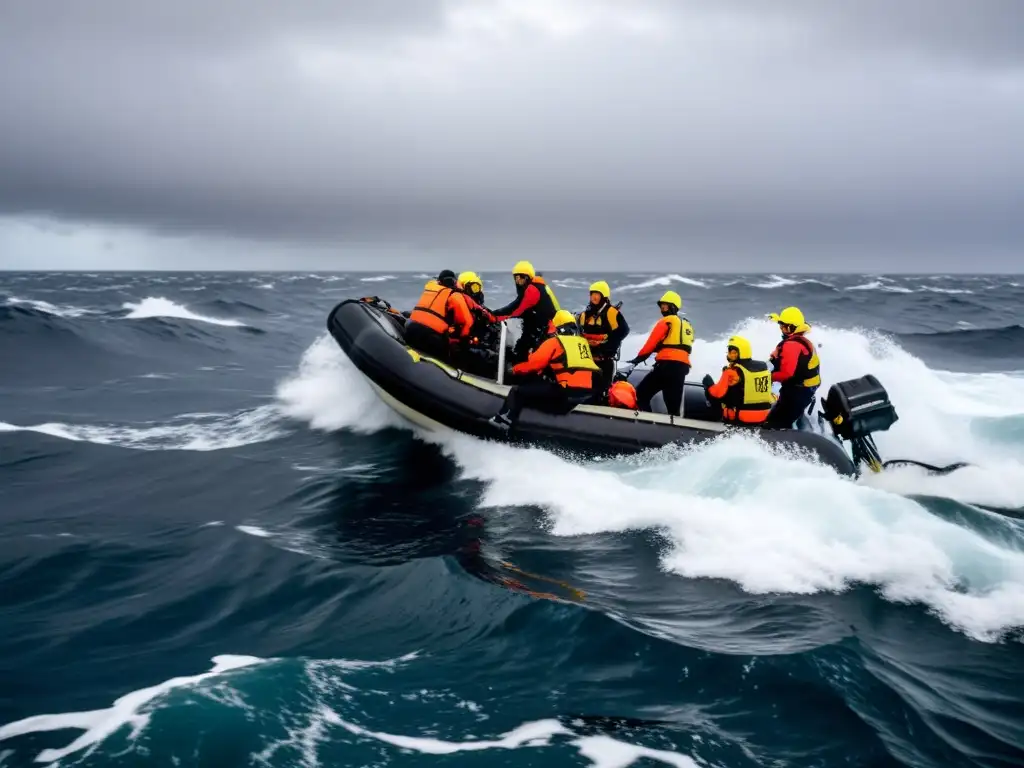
{"x":601,"y":287}
{"x":524,"y":268}
{"x":466,"y":278}
{"x":742,"y":347}
{"x":563,"y":323}
{"x":788,"y":316}
{"x":671,"y":297}
{"x":563,"y":317}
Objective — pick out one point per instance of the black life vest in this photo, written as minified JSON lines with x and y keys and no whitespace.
{"x":806,"y":373}
{"x":536,"y":319}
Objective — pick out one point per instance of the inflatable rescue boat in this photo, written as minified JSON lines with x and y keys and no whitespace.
{"x":438,"y":397}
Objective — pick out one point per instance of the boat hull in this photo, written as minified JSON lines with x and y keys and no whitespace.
{"x":438,"y":397}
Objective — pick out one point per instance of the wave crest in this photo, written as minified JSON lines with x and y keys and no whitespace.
{"x":157,"y":306}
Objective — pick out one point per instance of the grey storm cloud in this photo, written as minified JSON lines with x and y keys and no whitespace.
{"x":725,"y":123}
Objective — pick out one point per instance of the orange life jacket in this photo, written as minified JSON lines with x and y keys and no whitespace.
{"x":432,"y":308}
{"x":573,"y":368}
{"x":678,"y":341}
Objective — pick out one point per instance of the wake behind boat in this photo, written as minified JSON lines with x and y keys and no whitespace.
{"x":439,"y":397}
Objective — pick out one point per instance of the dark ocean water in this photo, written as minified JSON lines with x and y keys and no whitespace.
{"x":219,"y":549}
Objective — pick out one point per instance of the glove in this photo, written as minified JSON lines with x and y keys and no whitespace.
{"x":636,"y":361}
{"x":707,"y":381}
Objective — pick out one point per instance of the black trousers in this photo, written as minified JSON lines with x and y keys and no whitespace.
{"x":668,"y":378}
{"x":603,"y":380}
{"x":426,"y":340}
{"x":543,"y":395}
{"x":787,"y":409}
{"x":530,"y":338}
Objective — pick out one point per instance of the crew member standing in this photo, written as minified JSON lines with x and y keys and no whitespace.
{"x":795,"y":365}
{"x":671,"y":342}
{"x":604,"y":328}
{"x":535,"y":304}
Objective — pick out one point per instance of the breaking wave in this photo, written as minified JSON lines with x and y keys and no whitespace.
{"x":160,"y":307}
{"x":188,"y":432}
{"x":983,"y":342}
{"x":249,"y":499}
{"x":663,"y":280}
{"x":715,"y":502}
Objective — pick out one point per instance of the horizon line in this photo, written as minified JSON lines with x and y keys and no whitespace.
{"x":404,"y":271}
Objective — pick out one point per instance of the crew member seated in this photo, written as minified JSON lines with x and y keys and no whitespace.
{"x":604,"y":328}
{"x":795,"y":366}
{"x":440,"y":316}
{"x":472,"y":287}
{"x":671,"y":341}
{"x":535,"y":304}
{"x":745,"y":388}
{"x":565,"y":358}
{"x":477,"y":353}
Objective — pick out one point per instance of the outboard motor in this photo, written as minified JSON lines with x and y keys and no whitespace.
{"x":856,"y":409}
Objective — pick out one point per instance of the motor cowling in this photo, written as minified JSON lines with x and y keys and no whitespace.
{"x":858,"y":407}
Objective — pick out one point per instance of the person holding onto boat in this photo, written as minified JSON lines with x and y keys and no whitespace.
{"x":472,"y":288}
{"x":744,"y":389}
{"x":471,"y":285}
{"x":535,"y":304}
{"x":564,"y":371}
{"x":794,"y":365}
{"x":604,"y":328}
{"x":671,"y":342}
{"x":476,"y":353}
{"x":440,"y":317}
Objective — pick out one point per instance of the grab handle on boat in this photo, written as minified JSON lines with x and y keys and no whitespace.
{"x":501,"y":353}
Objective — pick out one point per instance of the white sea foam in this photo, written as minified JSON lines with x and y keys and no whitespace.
{"x":188,"y":432}
{"x":663,"y":280}
{"x":601,"y":751}
{"x":878,"y":285}
{"x":98,"y":724}
{"x":717,"y":503}
{"x":776,"y":281}
{"x":51,"y":309}
{"x":714,"y":505}
{"x":329,"y":393}
{"x":934,"y":289}
{"x":157,"y":306}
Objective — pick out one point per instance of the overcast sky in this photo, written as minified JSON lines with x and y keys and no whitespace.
{"x":702,"y":135}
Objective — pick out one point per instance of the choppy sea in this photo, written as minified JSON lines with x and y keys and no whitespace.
{"x":217,"y":548}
